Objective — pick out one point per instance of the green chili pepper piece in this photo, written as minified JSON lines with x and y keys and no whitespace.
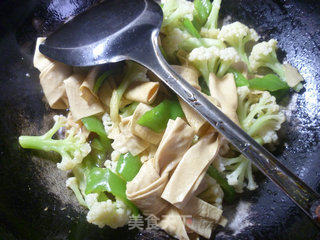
{"x":202,"y":9}
{"x":280,"y":94}
{"x":175,"y":110}
{"x":101,"y":145}
{"x":102,"y":197}
{"x":128,"y":166}
{"x":93,"y":124}
{"x":96,"y":144}
{"x":270,"y":82}
{"x":98,"y":151}
{"x":190,"y":28}
{"x":103,"y":179}
{"x":157,"y":118}
{"x":239,"y":78}
{"x":229,"y":192}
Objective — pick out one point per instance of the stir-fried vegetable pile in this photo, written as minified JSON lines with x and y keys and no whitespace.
{"x":132,"y":147}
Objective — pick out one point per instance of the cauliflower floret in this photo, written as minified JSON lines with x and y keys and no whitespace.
{"x":178,"y":39}
{"x":114,"y":214}
{"x":228,"y":56}
{"x":259,"y":114}
{"x":213,"y":194}
{"x":171,"y":43}
{"x":260,"y":117}
{"x":237,"y":170}
{"x":174,"y":11}
{"x":264,"y":55}
{"x":203,"y":54}
{"x":134,"y":72}
{"x":73,"y":148}
{"x":238,"y":35}
{"x":210,"y":29}
{"x":205,"y":60}
{"x":213,"y":60}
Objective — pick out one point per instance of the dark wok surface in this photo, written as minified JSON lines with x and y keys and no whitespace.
{"x":34,"y":203}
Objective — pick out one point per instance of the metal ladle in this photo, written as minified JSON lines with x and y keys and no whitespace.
{"x":118,"y":30}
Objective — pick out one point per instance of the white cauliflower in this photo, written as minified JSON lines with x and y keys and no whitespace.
{"x":114,"y":214}
{"x":171,"y":43}
{"x":238,"y":169}
{"x":237,"y":35}
{"x":205,"y":60}
{"x":133,"y":72}
{"x":213,"y":60}
{"x":181,"y":39}
{"x":73,"y":148}
{"x":259,"y":114}
{"x":174,"y":11}
{"x":210,"y":29}
{"x":228,"y":57}
{"x":264,"y":55}
{"x":260,"y":117}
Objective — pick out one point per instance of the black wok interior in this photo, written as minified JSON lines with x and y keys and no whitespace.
{"x":34,"y":203}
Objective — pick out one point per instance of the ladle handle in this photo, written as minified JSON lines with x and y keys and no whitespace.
{"x":306,"y":198}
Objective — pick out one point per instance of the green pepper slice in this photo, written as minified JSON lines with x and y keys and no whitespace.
{"x":239,"y":78}
{"x":103,"y":179}
{"x":269,"y":82}
{"x":93,"y":124}
{"x":101,"y":145}
{"x":157,"y":118}
{"x":128,"y":166}
{"x":202,"y":9}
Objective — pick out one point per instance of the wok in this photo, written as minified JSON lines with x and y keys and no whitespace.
{"x":34,"y":203}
